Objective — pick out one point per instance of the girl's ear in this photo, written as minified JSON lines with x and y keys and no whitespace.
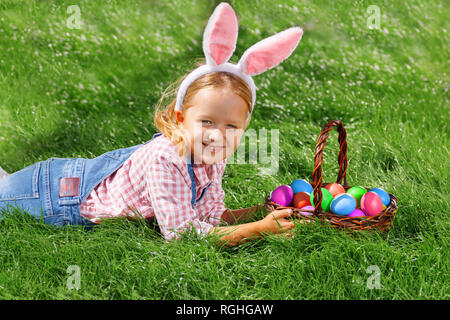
{"x":220,"y":35}
{"x":270,"y":52}
{"x":179,"y":115}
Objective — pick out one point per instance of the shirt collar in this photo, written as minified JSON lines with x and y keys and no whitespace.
{"x":204,"y":174}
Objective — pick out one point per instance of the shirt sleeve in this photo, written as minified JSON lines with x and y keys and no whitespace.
{"x":170,"y":194}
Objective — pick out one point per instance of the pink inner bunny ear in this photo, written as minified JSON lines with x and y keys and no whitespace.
{"x":271,"y":51}
{"x":219,"y":38}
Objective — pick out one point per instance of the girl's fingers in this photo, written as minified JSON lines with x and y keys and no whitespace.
{"x":280,"y":216}
{"x":289,"y":225}
{"x":285,"y":224}
{"x":282,"y":213}
{"x":288,"y":234}
{"x":305,"y":221}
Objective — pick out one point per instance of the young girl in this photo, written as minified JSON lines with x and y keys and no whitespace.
{"x":176,"y":177}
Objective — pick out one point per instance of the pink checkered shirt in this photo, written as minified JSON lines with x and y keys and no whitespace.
{"x":155,"y":182}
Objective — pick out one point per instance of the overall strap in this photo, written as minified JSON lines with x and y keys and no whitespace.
{"x":194,"y":186}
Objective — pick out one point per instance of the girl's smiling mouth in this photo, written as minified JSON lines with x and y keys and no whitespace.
{"x":212,"y":148}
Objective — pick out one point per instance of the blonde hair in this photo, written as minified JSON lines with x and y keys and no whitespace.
{"x":165,"y":118}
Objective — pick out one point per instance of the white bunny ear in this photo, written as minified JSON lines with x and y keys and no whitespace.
{"x":270,"y":52}
{"x":219,"y":38}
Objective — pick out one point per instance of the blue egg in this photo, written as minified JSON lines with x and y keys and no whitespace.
{"x":385,"y":199}
{"x":301,"y":185}
{"x":343,"y":204}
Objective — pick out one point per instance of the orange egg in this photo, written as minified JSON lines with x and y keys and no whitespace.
{"x":334,"y":188}
{"x":301,"y":199}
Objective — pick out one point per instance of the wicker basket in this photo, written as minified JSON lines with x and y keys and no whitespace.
{"x":381,"y":222}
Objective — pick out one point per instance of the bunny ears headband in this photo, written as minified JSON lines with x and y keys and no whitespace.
{"x":219,"y":43}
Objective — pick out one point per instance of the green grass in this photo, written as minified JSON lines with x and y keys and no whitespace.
{"x":81,"y":92}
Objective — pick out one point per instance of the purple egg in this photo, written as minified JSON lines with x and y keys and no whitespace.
{"x":307,"y":213}
{"x":357,"y":213}
{"x":282,"y":195}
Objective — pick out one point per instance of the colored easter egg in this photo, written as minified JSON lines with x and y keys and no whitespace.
{"x":327,"y":197}
{"x":343,"y":204}
{"x":282,"y":195}
{"x":357,"y":192}
{"x":307,"y":213}
{"x":383,"y":195}
{"x":301,"y":185}
{"x":334,"y":188}
{"x":301,"y":199}
{"x":349,"y":195}
{"x":371,"y":204}
{"x":357,"y":213}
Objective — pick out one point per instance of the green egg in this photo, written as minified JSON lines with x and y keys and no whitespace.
{"x":357,"y":192}
{"x":327,"y":197}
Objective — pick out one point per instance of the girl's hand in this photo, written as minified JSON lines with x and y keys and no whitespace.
{"x":277,"y":222}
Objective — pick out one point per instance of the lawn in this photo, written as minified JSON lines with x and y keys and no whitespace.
{"x":81,"y":81}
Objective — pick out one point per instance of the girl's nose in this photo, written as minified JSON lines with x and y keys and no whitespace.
{"x":214,"y":135}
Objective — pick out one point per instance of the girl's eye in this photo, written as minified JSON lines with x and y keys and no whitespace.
{"x":209,"y":122}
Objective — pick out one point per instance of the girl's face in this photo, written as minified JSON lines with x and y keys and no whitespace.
{"x":214,"y":124}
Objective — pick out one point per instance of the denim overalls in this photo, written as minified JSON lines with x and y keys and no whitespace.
{"x":55,"y":188}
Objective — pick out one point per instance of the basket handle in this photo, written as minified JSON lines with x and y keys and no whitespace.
{"x":342,"y":160}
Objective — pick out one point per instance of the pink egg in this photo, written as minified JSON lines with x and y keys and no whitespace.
{"x":282,"y":195}
{"x":307,"y":213}
{"x":356,"y":213}
{"x":371,"y":204}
